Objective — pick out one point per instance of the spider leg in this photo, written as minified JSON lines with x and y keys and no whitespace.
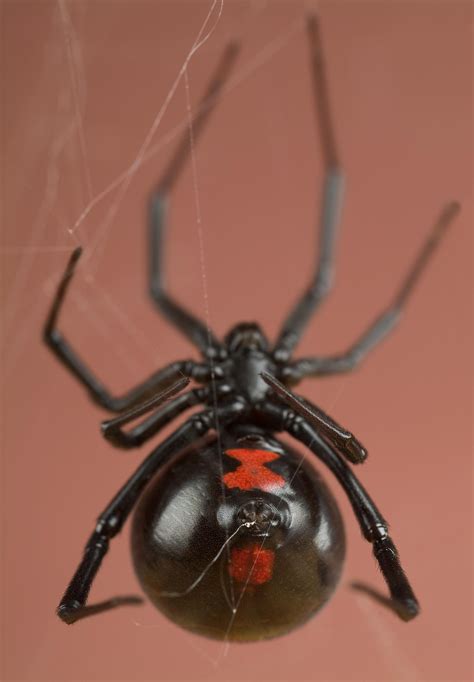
{"x":344,"y":440}
{"x":193,"y":328}
{"x":320,"y":284}
{"x":73,"y":604}
{"x":372,"y":524}
{"x":99,"y":393}
{"x":112,"y":428}
{"x":384,"y":324}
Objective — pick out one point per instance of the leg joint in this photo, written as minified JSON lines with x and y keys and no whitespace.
{"x":107,"y":527}
{"x":201,"y":423}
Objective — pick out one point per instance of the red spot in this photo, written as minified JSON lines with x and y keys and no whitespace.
{"x":251,"y":473}
{"x":251,"y":565}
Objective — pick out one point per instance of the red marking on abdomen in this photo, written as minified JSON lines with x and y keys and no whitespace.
{"x":251,"y":565}
{"x":251,"y":473}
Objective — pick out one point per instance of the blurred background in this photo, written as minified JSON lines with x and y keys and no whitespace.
{"x":94,"y":98}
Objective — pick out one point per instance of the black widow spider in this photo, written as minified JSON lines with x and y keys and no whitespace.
{"x":237,"y":522}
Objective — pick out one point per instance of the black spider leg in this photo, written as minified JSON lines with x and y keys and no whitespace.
{"x":383,"y":324}
{"x":344,"y":440}
{"x":98,"y":392}
{"x":372,"y":524}
{"x":112,"y":429}
{"x":320,"y":284}
{"x":193,"y":328}
{"x":73,"y":604}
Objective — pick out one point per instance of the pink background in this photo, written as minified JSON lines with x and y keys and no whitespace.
{"x":83,"y":83}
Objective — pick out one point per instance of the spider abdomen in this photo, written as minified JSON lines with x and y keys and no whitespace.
{"x":243,"y":545}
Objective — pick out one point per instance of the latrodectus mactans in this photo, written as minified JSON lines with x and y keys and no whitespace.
{"x":237,"y":536}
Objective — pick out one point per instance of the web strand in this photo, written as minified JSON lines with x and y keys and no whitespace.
{"x":99,"y":241}
{"x":207,"y":312}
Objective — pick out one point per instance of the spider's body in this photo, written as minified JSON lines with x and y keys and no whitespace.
{"x":237,"y":536}
{"x":287,"y":540}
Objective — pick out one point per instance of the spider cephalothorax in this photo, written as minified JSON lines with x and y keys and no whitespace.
{"x":245,"y":337}
{"x":248,"y":358}
{"x":236,"y":536}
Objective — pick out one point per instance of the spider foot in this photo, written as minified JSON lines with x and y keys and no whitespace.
{"x":406,"y":610}
{"x":70,"y":612}
{"x":404,"y":601}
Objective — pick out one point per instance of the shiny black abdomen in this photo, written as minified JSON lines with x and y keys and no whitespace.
{"x":208,"y":571}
